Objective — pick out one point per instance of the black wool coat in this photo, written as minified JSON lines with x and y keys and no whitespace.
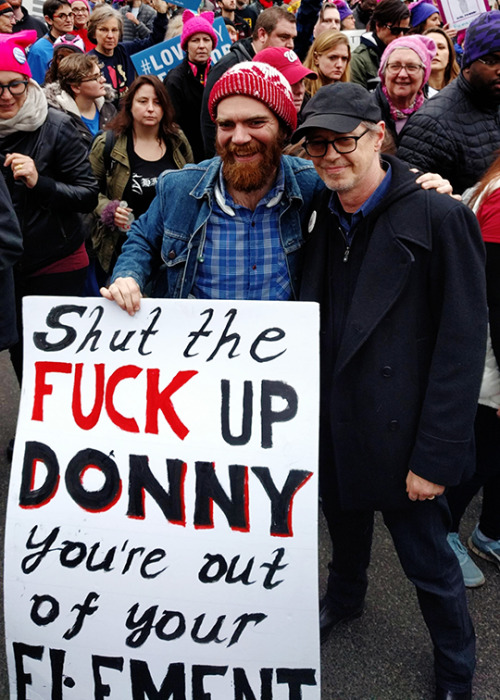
{"x":186,"y":93}
{"x":402,"y":343}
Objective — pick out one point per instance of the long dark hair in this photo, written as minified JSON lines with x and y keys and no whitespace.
{"x":124,"y":122}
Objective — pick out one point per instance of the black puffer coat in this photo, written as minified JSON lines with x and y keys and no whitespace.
{"x":49,"y":213}
{"x":11,"y":247}
{"x":455,"y":134}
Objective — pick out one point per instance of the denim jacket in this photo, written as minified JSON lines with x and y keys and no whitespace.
{"x":171,"y":232}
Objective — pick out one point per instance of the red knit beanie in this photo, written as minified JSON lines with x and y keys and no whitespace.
{"x":260,"y":81}
{"x":192,"y":24}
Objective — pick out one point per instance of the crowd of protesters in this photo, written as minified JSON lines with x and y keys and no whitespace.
{"x":125,"y":185}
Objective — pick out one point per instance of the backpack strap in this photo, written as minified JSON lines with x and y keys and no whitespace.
{"x":109,"y":142}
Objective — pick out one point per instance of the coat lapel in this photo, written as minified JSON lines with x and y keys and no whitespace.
{"x":382,"y":278}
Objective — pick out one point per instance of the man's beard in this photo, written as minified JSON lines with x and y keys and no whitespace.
{"x":249,"y":177}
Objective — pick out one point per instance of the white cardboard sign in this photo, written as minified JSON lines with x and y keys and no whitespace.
{"x":161,"y":538}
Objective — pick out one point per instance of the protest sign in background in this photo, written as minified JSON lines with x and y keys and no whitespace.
{"x":160,"y":58}
{"x":161,"y":537}
{"x":460,"y":13}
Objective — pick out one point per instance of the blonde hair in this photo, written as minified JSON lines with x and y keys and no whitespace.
{"x":325,"y":42}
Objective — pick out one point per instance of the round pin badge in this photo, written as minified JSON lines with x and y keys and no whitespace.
{"x":312,"y":221}
{"x":19,"y":55}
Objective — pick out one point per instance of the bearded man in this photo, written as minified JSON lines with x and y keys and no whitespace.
{"x":229,"y":227}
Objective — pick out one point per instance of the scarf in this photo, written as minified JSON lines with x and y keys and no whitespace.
{"x":32,"y":114}
{"x":404,"y":113}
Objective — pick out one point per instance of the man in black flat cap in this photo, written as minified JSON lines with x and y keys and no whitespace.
{"x":399,"y":274}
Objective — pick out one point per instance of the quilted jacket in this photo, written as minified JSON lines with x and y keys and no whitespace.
{"x":455,"y":134}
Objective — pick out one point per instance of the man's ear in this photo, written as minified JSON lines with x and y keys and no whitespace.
{"x":380,"y":136}
{"x":262,"y":35}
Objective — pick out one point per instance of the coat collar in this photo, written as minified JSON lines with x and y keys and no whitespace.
{"x":210,"y":172}
{"x":387,"y":263}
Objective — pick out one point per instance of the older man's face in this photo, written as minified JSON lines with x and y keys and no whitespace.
{"x":248,"y":141}
{"x":7,"y":21}
{"x":347,"y":172}
{"x":484,"y":75}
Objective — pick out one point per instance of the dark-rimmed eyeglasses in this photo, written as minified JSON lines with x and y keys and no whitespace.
{"x":16,"y":87}
{"x":491,"y":61}
{"x":98,"y":76}
{"x":317,"y":148}
{"x":396,"y":31}
{"x":64,"y":15}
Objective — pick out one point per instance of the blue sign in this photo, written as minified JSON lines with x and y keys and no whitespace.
{"x":160,"y":58}
{"x":190,"y":4}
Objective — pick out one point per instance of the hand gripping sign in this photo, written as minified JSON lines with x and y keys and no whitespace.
{"x":161,"y":531}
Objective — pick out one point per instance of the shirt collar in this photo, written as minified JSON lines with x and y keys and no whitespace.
{"x":348,"y":221}
{"x":271,"y":199}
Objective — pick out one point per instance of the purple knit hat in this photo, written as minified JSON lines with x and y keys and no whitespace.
{"x":423,"y":46}
{"x":192,"y":24}
{"x":482,"y":37}
{"x":343,"y":8}
{"x":420,"y":11}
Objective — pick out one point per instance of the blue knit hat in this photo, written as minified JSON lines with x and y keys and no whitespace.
{"x":420,"y":11}
{"x":482,"y":37}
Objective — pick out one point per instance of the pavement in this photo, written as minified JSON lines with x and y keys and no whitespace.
{"x":384,"y":655}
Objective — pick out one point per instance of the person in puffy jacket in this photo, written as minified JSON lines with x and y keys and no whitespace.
{"x":48,"y":175}
{"x":457,"y":132}
{"x":81,"y":92}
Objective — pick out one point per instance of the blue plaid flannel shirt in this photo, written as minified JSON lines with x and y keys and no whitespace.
{"x":242,"y":256}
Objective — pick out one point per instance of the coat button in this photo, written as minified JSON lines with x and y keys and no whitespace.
{"x":387,"y":371}
{"x":393,"y":425}
{"x":171,"y":255}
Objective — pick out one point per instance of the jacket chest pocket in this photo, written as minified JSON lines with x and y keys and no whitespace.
{"x":174,"y":252}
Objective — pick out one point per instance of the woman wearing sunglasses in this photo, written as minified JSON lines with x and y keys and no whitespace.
{"x":390,"y":19}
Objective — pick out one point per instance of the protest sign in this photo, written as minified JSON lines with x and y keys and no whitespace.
{"x":161,"y":537}
{"x":160,"y":58}
{"x":190,"y":4}
{"x":460,"y":13}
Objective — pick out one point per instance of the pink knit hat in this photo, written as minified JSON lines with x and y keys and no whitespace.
{"x":13,"y":51}
{"x":423,"y":46}
{"x":261,"y":81}
{"x":192,"y":24}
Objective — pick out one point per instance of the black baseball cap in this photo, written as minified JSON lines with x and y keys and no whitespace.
{"x":340,"y":107}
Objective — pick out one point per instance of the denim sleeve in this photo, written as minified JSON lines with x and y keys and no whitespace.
{"x":141,"y":252}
